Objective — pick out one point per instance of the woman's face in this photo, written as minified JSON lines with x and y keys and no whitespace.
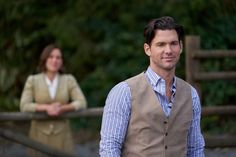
{"x":54,"y":61}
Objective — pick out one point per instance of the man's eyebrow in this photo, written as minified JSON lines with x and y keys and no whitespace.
{"x":162,"y":42}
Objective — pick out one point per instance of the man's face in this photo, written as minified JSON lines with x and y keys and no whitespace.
{"x":164,"y":50}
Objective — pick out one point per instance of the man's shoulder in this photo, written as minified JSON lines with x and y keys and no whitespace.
{"x":121,"y":86}
{"x":135,"y":78}
{"x":124,"y":86}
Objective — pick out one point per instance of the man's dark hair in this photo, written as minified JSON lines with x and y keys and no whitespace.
{"x":162,"y":23}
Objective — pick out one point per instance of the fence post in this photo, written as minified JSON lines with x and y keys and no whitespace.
{"x":192,"y":45}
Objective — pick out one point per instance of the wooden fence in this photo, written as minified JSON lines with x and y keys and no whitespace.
{"x":194,"y":57}
{"x":211,"y":141}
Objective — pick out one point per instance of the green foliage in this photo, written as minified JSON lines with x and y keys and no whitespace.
{"x":102,"y":41}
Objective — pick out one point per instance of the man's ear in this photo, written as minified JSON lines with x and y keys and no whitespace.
{"x":147,"y":49}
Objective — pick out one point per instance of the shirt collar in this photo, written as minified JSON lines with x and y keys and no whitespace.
{"x":155,"y":79}
{"x":53,"y":82}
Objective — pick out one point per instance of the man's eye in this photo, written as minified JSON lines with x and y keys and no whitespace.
{"x":174,"y":43}
{"x":161,"y":44}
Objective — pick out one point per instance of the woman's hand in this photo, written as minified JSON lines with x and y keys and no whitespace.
{"x":54,"y":109}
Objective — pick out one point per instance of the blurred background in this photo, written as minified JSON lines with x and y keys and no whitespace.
{"x":103,"y":44}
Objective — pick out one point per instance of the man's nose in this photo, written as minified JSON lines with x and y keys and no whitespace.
{"x":168,"y":48}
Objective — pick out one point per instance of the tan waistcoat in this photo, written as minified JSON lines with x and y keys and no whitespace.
{"x":150,"y":133}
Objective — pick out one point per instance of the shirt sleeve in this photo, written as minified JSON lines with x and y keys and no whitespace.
{"x":77,"y":97}
{"x":196,"y":141}
{"x":26,"y":102}
{"x":115,"y":120}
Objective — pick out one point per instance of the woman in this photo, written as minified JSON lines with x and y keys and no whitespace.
{"x":55,"y":93}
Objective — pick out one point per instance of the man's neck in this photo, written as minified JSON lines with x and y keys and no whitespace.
{"x":168,"y":76}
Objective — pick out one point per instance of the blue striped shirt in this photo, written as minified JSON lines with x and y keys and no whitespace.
{"x":117,"y":111}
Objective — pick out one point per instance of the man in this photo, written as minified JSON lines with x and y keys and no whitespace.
{"x":154,"y":114}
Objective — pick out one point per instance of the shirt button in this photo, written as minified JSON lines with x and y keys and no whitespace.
{"x":165,"y":147}
{"x":166,"y":134}
{"x":165,"y":122}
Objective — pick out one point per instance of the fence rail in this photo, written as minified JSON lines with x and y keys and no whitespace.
{"x":207,"y":76}
{"x":209,"y":54}
{"x":226,"y":110}
{"x":22,"y":116}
